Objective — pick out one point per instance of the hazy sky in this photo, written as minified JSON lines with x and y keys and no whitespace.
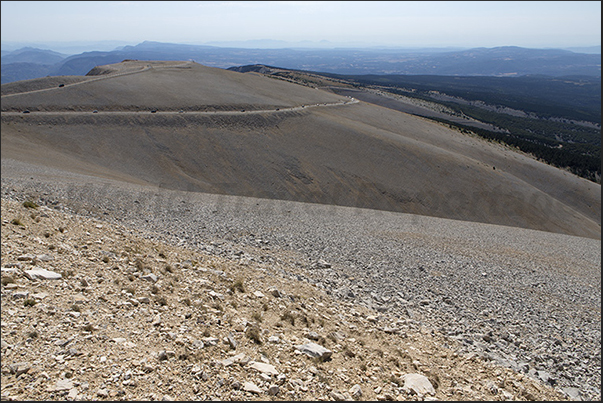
{"x":399,"y":23}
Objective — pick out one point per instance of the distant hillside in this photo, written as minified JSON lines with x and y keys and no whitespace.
{"x":555,"y":119}
{"x":570,"y":97}
{"x":586,"y":49}
{"x":23,"y":71}
{"x":28,"y":63}
{"x":501,"y":61}
{"x":33,"y":55}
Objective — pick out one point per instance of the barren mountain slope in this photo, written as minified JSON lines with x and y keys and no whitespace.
{"x":317,"y":147}
{"x":175,"y":86}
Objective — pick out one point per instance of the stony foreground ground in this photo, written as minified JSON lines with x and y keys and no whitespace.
{"x":135,"y":319}
{"x":501,"y":297}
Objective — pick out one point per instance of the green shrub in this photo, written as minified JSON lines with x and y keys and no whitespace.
{"x":30,"y":204}
{"x":29,"y":302}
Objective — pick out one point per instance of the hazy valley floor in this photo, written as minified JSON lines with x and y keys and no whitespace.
{"x":526,"y":300}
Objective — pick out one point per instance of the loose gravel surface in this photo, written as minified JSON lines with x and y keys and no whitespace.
{"x":526,"y":300}
{"x":93,"y":311}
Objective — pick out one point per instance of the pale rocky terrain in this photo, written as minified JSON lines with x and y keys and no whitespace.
{"x":128,"y":318}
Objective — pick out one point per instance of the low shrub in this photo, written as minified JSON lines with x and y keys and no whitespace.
{"x":238,"y":285}
{"x":257,"y":316}
{"x":7,"y":280}
{"x":289,"y":317}
{"x":253,"y":333}
{"x":30,"y":204}
{"x":29,"y":302}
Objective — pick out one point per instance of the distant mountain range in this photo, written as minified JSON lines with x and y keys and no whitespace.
{"x":28,"y":63}
{"x":33,"y":55}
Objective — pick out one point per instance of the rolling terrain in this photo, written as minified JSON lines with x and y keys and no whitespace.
{"x":224,"y":132}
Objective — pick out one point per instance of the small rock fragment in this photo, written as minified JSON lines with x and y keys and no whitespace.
{"x":356,"y":391}
{"x":231,"y":341}
{"x":19,"y":368}
{"x":150,"y":277}
{"x":250,"y":387}
{"x":102,"y":393}
{"x":275,"y":292}
{"x":263,"y":368}
{"x":314,"y":350}
{"x":273,"y":390}
{"x":418,"y":384}
{"x":42,"y":274}
{"x":62,"y":384}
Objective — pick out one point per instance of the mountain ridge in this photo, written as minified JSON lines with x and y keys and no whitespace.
{"x":509,"y":60}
